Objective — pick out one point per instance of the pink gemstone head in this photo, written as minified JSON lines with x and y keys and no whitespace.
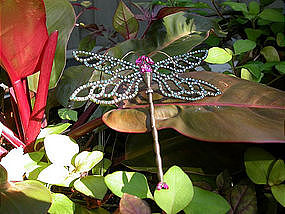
{"x":144,"y":63}
{"x":162,"y":185}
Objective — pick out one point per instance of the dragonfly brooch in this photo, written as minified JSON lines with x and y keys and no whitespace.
{"x":122,"y":86}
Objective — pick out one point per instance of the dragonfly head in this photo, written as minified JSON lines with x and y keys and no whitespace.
{"x":144,"y":63}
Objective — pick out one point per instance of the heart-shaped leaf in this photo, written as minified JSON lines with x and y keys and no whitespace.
{"x":93,"y":186}
{"x":61,"y":204}
{"x":23,"y":36}
{"x":133,"y":183}
{"x":179,"y":194}
{"x":53,"y":174}
{"x":278,"y":192}
{"x":85,"y":161}
{"x":277,"y":173}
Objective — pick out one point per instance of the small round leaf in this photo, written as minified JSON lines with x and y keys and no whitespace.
{"x":278,"y":192}
{"x":85,"y":161}
{"x":218,"y":56}
{"x":241,"y":46}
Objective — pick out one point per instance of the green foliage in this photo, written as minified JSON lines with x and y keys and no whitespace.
{"x":67,"y":114}
{"x":179,"y":194}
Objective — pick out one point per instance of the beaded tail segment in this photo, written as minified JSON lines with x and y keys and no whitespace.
{"x":124,"y":87}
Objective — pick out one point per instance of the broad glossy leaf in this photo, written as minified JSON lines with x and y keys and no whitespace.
{"x":60,"y":149}
{"x":53,"y":129}
{"x":133,"y":183}
{"x":67,"y":114}
{"x":237,"y":6}
{"x":278,"y":192}
{"x":61,"y":204}
{"x":53,"y":174}
{"x":60,"y":17}
{"x":101,"y":167}
{"x":242,"y":199}
{"x":241,"y":46}
{"x":179,"y":194}
{"x":218,"y":56}
{"x":258,"y":163}
{"x":85,"y":160}
{"x":91,"y":185}
{"x":130,"y":204}
{"x":277,"y":173}
{"x":207,"y":202}
{"x":253,"y":34}
{"x":179,"y":33}
{"x":23,"y":35}
{"x":25,"y":197}
{"x":272,"y":15}
{"x":259,"y":108}
{"x":124,"y":21}
{"x":270,"y":54}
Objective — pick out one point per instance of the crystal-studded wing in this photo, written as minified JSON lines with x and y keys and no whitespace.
{"x":183,"y":62}
{"x":188,"y":89}
{"x":110,"y":65}
{"x":110,"y":91}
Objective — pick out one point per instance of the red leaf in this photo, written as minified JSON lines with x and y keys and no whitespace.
{"x":160,"y":11}
{"x":23,"y":35}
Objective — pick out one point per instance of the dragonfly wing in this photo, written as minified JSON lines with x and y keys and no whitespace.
{"x":108,"y":91}
{"x":108,"y":64}
{"x":183,"y":62}
{"x":189,"y":89}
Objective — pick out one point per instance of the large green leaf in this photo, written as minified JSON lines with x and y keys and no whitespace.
{"x":178,"y":33}
{"x":278,"y":192}
{"x":60,"y":17}
{"x":179,"y":194}
{"x":23,"y":197}
{"x":133,"y":183}
{"x":260,"y":110}
{"x":61,"y":204}
{"x":258,"y":163}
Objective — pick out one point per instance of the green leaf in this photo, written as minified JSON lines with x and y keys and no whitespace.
{"x":124,"y":21}
{"x":130,"y":204}
{"x":31,"y":159}
{"x":179,"y":194}
{"x":258,"y":163}
{"x":278,"y":192}
{"x":53,"y":174}
{"x":79,"y":209}
{"x":266,"y":2}
{"x":253,"y":34}
{"x":245,"y":74}
{"x":218,"y":56}
{"x":280,"y":39}
{"x":241,"y":46}
{"x":87,"y":43}
{"x":25,"y":197}
{"x":85,"y":161}
{"x":61,"y":204}
{"x":277,"y":173}
{"x":207,"y":202}
{"x":67,"y":114}
{"x":253,"y":7}
{"x":270,"y":54}
{"x":60,"y":149}
{"x":281,"y":67}
{"x":53,"y":129}
{"x":101,"y":167}
{"x":133,"y":183}
{"x":237,"y":6}
{"x":272,"y":15}
{"x":255,"y":68}
{"x":93,"y":186}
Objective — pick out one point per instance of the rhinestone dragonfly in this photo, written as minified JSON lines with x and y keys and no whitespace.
{"x":125,"y":87}
{"x":121,"y":86}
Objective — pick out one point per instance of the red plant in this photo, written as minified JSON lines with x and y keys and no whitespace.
{"x":25,"y":48}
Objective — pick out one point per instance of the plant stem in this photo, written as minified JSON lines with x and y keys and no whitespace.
{"x":153,"y":127}
{"x":9,"y":135}
{"x":217,"y":10}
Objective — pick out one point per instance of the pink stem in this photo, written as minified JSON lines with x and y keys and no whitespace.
{"x":9,"y":135}
{"x":42,"y":91}
{"x":2,"y":151}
